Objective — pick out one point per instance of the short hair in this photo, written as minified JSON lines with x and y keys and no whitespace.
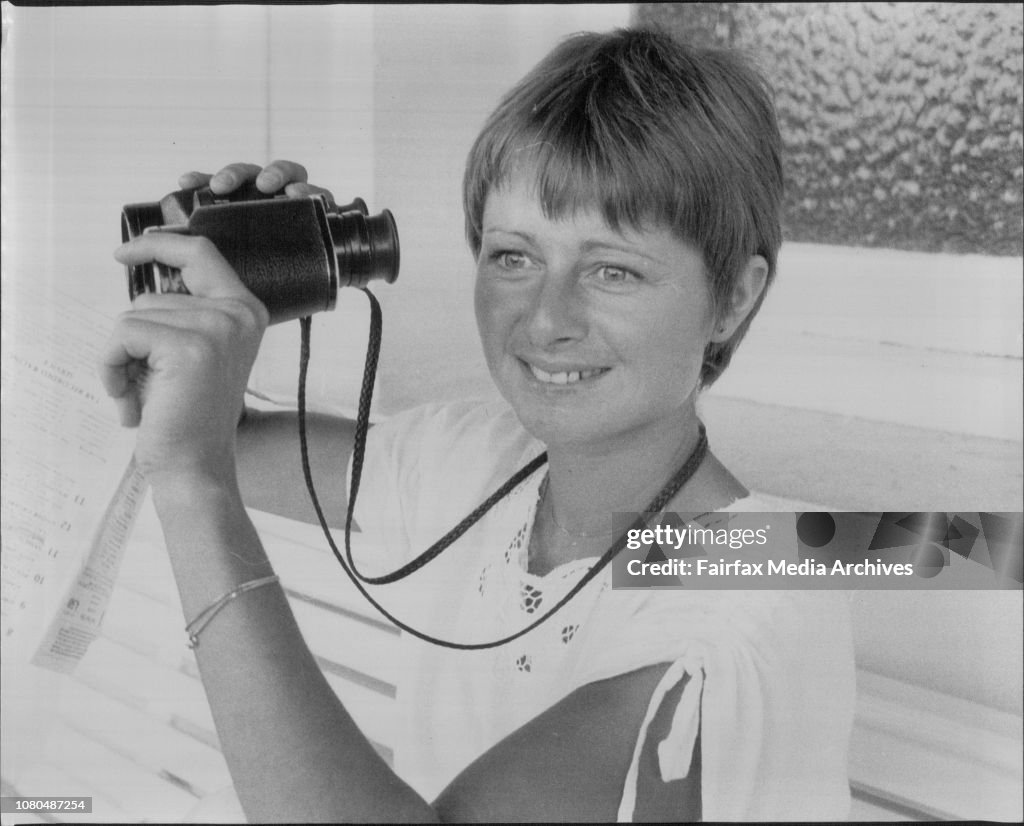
{"x":651,"y":132}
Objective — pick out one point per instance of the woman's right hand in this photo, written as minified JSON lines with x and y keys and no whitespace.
{"x":177,"y":365}
{"x":285,"y":177}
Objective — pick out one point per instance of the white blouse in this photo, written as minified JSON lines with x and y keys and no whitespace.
{"x":771,"y":681}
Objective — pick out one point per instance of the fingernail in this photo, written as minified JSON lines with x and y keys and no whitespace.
{"x":270,"y":178}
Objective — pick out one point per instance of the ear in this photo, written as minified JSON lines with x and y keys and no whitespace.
{"x":745,"y":293}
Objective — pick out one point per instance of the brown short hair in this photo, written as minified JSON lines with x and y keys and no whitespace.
{"x":651,"y":132}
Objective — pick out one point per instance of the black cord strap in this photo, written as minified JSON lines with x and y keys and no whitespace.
{"x":679,"y":478}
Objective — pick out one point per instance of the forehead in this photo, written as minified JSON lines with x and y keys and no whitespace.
{"x":515,"y":210}
{"x":517,"y":205}
{"x":519,"y":197}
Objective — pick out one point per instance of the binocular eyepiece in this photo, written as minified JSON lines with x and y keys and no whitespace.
{"x":292,"y":253}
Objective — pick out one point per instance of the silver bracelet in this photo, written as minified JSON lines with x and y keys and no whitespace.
{"x":207,"y":614}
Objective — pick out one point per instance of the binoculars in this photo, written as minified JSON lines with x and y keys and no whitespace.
{"x":292,"y":253}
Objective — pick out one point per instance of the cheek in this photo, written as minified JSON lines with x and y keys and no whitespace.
{"x":672,"y":345}
{"x":488,"y":306}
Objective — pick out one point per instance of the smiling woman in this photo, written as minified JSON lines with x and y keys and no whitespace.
{"x":579,"y":320}
{"x":664,"y":141}
{"x":622,"y":205}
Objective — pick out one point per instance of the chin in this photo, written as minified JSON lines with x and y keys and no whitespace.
{"x":576,"y":423}
{"x":565,"y":425}
{"x":547,"y":421}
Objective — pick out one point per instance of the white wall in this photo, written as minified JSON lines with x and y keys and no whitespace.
{"x":440,"y":72}
{"x":320,"y":68}
{"x":106,"y":106}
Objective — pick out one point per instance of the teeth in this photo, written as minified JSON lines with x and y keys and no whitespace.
{"x":562,"y":378}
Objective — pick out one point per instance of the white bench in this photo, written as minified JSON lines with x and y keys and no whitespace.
{"x":134,"y":732}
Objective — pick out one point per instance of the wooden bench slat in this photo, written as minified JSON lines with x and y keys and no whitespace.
{"x":151,"y":742}
{"x":141,"y":794}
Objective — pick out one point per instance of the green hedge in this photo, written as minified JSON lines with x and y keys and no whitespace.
{"x":902,"y":121}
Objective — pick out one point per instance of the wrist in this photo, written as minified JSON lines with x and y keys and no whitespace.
{"x":182,"y":477}
{"x":194,"y":490}
{"x":212,"y":544}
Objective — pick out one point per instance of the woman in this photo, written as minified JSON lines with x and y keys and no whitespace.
{"x":622,"y":204}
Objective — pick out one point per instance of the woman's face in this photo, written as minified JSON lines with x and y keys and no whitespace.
{"x":594,"y":336}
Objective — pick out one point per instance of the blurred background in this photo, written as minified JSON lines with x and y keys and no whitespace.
{"x":885,"y":369}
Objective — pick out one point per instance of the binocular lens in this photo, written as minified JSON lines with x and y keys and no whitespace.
{"x":366,"y":247}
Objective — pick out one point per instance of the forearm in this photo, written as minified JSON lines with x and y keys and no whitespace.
{"x":270,"y":464}
{"x":294,"y":752}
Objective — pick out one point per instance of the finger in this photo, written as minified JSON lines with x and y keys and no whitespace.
{"x":194,"y":180}
{"x":128,"y":345}
{"x":301,"y":190}
{"x":232,"y":176}
{"x":172,"y":310}
{"x":277,"y":174}
{"x":171,"y":248}
{"x":123,"y":371}
{"x":204,"y":269}
{"x":129,"y":410}
{"x":175,"y":302}
{"x":128,"y":402}
{"x":225,"y":320}
{"x":206,"y":272}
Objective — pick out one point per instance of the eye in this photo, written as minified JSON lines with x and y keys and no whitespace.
{"x":610,"y":274}
{"x":510,"y":259}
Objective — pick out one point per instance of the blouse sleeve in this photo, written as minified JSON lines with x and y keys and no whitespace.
{"x":770,"y":690}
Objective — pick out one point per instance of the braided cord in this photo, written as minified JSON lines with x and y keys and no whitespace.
{"x":679,"y":478}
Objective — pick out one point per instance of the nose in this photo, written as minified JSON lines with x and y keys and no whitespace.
{"x":556,"y":313}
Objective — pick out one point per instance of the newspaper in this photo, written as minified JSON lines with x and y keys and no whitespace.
{"x":70,"y":489}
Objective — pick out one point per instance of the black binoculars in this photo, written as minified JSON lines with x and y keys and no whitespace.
{"x":292,"y":253}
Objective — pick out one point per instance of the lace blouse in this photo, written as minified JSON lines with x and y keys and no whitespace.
{"x":771,"y":674}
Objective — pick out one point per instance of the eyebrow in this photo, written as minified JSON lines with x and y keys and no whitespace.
{"x":590,"y":246}
{"x":524,"y":235}
{"x":628,"y":249}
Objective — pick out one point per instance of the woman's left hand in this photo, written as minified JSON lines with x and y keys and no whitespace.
{"x":279,"y":177}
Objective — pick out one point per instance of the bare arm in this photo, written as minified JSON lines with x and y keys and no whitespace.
{"x":270,"y":465}
{"x":293,"y":750}
{"x":570,"y":762}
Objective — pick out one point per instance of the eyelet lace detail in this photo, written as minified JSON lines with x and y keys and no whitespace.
{"x":515,"y":547}
{"x":530,"y":598}
{"x":509,"y":594}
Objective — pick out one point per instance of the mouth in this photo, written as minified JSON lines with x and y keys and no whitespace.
{"x":567,"y":377}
